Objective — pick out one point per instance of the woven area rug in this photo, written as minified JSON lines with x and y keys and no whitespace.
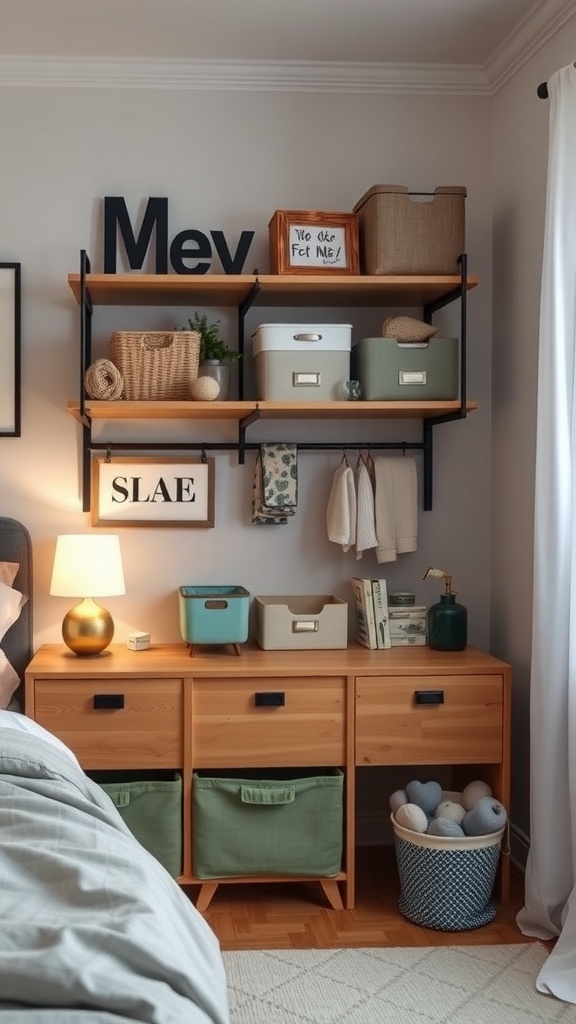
{"x":440,"y":985}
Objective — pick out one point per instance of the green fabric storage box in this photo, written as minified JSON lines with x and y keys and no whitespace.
{"x":267,"y":823}
{"x":151,"y":807}
{"x":389,"y":370}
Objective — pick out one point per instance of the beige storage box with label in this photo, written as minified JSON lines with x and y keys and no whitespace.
{"x":300,"y":622}
{"x":389,"y":370}
{"x":402,"y":232}
{"x":301,"y":362}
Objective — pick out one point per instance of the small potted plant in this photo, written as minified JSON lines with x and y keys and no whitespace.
{"x":215,"y":354}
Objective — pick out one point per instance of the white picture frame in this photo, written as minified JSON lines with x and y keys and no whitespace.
{"x":152,"y":491}
{"x":10,"y":362}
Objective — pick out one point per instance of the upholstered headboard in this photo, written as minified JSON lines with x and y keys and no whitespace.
{"x":16,"y":546}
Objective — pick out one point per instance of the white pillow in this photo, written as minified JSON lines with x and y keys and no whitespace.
{"x":9,"y":681}
{"x":9,"y":572}
{"x":11,"y":604}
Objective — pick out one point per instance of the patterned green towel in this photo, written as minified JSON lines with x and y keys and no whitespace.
{"x":275,"y":486}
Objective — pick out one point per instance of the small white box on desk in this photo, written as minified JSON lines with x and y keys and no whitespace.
{"x":139,"y":641}
{"x":408,"y":625}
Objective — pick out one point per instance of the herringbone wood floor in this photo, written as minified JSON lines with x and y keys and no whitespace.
{"x":296,"y":916}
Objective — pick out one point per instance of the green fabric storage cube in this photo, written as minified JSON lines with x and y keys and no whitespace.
{"x":389,"y":370}
{"x":273,"y":823}
{"x":151,"y":807}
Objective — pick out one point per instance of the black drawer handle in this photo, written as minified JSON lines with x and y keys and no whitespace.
{"x":108,"y":700}
{"x":269,"y":700}
{"x":429,"y":696}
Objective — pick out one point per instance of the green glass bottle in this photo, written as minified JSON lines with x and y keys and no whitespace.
{"x":447,"y":624}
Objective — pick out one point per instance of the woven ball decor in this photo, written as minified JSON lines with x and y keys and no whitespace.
{"x":407,"y":329}
{"x":204,"y":389}
{"x":103,"y":380}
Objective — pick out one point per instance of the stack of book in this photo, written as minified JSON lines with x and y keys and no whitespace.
{"x":371,"y":610}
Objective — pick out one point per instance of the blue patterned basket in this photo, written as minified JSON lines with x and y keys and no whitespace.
{"x":446,"y":882}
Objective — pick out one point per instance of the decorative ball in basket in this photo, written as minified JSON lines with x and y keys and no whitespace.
{"x":156,"y":365}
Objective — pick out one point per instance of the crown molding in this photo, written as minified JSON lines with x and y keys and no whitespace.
{"x":281,"y":76}
{"x":528,"y":37}
{"x":543,"y":22}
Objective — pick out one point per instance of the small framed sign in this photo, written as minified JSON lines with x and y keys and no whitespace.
{"x":148,"y":491}
{"x":313,"y":242}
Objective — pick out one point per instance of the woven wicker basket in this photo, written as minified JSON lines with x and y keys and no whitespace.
{"x":156,"y":365}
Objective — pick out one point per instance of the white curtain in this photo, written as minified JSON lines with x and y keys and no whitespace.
{"x":550,"y":907}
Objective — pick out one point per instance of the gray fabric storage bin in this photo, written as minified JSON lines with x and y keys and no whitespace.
{"x":300,"y":622}
{"x":151,"y":807}
{"x":269,"y":822}
{"x":389,"y":370}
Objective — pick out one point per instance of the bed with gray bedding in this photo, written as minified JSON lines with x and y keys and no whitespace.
{"x":93,"y":930}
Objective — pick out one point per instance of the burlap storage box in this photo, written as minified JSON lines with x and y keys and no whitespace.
{"x":282,"y":822}
{"x":402,"y":232}
{"x":156,"y":365}
{"x":151,"y":807}
{"x":300,"y":622}
{"x":446,"y":882}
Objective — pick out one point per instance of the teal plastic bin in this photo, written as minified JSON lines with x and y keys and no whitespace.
{"x":151,"y":807}
{"x":272,"y":823}
{"x":214,"y":615}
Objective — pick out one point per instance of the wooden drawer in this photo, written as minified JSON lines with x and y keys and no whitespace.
{"x":393,"y":728}
{"x":142,"y":728}
{"x":234,"y":726}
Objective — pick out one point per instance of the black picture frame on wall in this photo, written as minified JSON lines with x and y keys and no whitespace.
{"x":10,"y":299}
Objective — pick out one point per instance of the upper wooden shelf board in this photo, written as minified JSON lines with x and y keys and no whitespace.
{"x":100,"y":410}
{"x":275,"y":290}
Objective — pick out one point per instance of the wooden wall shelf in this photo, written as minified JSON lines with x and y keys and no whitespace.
{"x":429,"y":293}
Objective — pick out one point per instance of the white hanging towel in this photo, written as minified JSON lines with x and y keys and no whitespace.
{"x":341,"y":509}
{"x":396,"y":507}
{"x":365,"y":511}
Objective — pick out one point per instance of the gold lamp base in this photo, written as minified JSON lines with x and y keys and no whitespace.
{"x":88,"y":628}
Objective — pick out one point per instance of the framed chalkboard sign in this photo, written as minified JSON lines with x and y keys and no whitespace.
{"x":313,"y":242}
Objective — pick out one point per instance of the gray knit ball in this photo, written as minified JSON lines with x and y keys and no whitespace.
{"x":474,"y":792}
{"x":450,"y":809}
{"x":397,"y":799}
{"x":488,"y":815}
{"x":444,"y":827}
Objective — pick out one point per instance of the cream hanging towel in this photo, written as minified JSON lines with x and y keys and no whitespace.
{"x":396,"y":507}
{"x":366,"y":538}
{"x":341,"y":509}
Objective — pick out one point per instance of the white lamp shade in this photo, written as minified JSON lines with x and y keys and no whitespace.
{"x":87,"y":565}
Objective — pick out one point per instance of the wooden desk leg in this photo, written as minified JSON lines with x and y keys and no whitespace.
{"x":332,"y":893}
{"x":206,"y":893}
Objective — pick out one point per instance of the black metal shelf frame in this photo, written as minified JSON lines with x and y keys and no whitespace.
{"x":242,"y":445}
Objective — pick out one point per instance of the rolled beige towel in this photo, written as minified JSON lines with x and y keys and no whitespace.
{"x":103,"y":380}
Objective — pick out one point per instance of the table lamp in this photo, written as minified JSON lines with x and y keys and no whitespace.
{"x":87,"y":564}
